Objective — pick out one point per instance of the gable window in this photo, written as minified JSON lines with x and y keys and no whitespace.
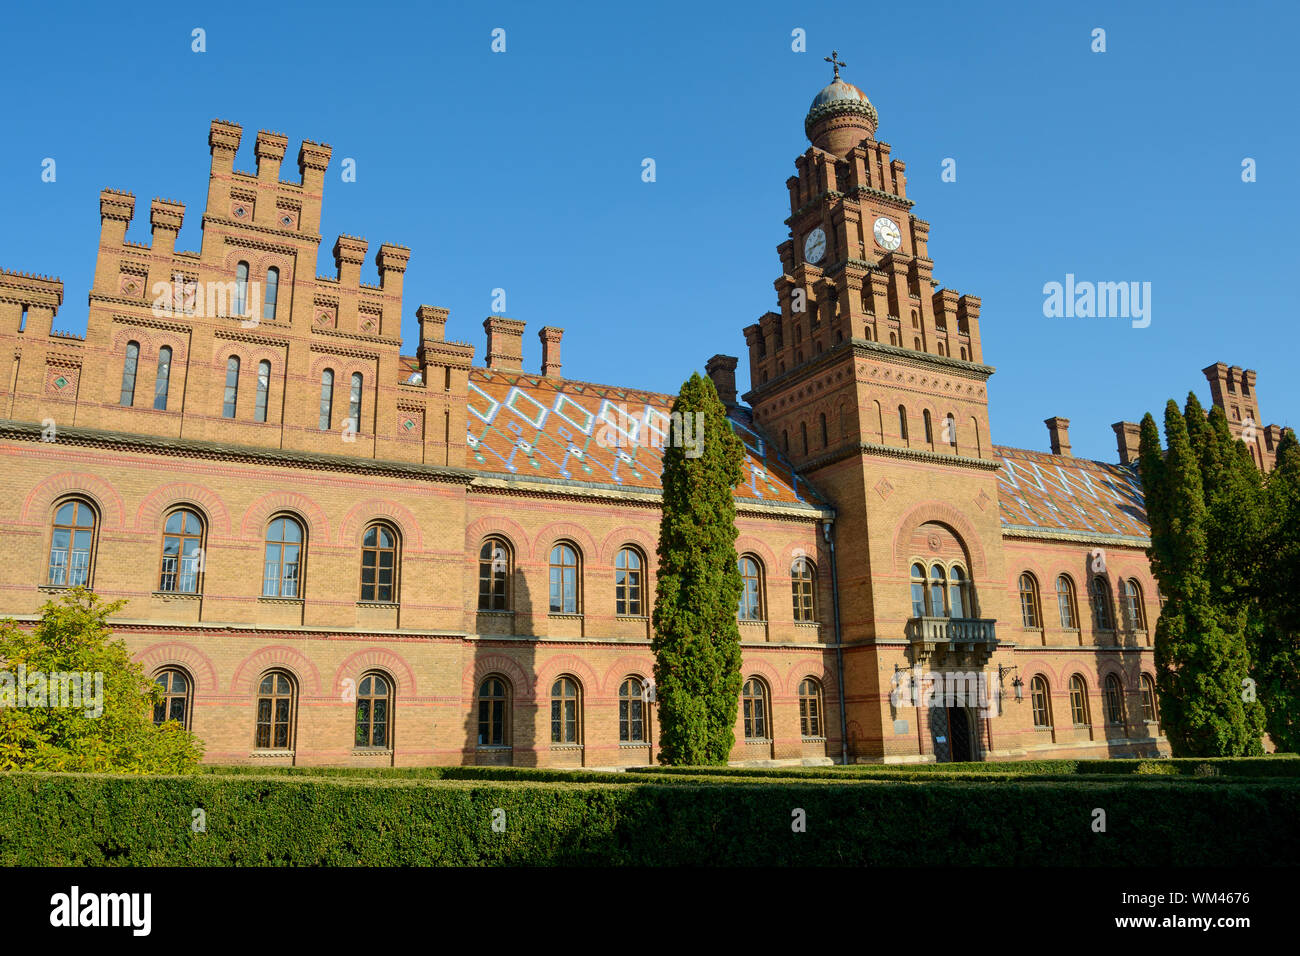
{"x":182,"y":550}
{"x":564,"y":579}
{"x":627,"y":583}
{"x":379,"y":564}
{"x":128,"y":374}
{"x":163,"y":379}
{"x":230,"y":400}
{"x":72,"y":542}
{"x":493,"y":575}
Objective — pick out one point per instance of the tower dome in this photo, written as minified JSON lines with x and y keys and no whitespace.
{"x":840,"y":116}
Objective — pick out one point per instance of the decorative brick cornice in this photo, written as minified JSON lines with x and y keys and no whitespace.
{"x":891,"y":451}
{"x":313,"y":237}
{"x":1073,"y":535}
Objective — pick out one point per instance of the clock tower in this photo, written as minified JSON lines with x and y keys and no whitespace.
{"x":871,"y":378}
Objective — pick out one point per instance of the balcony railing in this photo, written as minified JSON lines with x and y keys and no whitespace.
{"x":953,"y":635}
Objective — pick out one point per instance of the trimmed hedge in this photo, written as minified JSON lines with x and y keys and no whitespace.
{"x":288,"y":819}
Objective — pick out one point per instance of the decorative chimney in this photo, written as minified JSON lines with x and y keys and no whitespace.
{"x":722,"y":369}
{"x":550,"y":337}
{"x":1128,"y":436}
{"x":1059,"y":430}
{"x":505,"y":347}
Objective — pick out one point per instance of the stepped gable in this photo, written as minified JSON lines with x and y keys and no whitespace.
{"x":1057,"y":493}
{"x":532,"y":426}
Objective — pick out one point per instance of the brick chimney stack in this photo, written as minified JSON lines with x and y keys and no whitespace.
{"x":1059,"y":430}
{"x":722,"y":369}
{"x":1128,"y":437}
{"x":505,"y":346}
{"x":550,"y":337}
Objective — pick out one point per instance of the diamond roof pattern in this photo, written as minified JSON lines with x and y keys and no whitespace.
{"x":1053,"y":493}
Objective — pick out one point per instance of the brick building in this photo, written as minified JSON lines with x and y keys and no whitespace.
{"x":336,"y":553}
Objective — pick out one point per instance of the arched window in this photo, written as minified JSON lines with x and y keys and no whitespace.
{"x":803,"y":584}
{"x":754,"y":698}
{"x":929,"y":428}
{"x":174,"y":703}
{"x":902,"y":422}
{"x":1079,"y":701}
{"x":963,"y":353}
{"x":1029,"y":615}
{"x":810,"y":708}
{"x":959,"y":603}
{"x":751,"y":591}
{"x":494,"y":575}
{"x":1149,"y":712}
{"x":241,"y":289}
{"x":826,"y":440}
{"x":163,"y":379}
{"x":275,"y":712}
{"x":1099,"y":591}
{"x":379,"y":564}
{"x":803,"y":435}
{"x":938,"y":591}
{"x":182,"y":552}
{"x":282,"y":569}
{"x":493,"y":707}
{"x":374,"y":712}
{"x":128,"y":374}
{"x":326,"y":399}
{"x":631,"y":711}
{"x":893,"y":338}
{"x":1041,"y":701}
{"x":72,"y":543}
{"x":566,"y":712}
{"x":354,"y":402}
{"x":1137,"y":618}
{"x":918,"y":591}
{"x":1065,"y":600}
{"x":1114,"y":700}
{"x":950,"y":430}
{"x":785,"y":441}
{"x":230,"y":401}
{"x":272,"y":290}
{"x":263,"y":387}
{"x":564,"y":579}
{"x":627,"y":583}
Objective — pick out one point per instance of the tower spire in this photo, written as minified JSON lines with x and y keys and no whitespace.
{"x":835,"y":61}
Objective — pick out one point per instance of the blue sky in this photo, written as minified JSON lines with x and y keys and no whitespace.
{"x":522,"y":170}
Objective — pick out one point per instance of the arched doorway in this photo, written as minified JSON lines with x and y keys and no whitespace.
{"x":954,"y":734}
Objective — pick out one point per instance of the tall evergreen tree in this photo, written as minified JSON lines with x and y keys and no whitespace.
{"x":1276,"y":648}
{"x":1201,"y":668}
{"x":697,"y":639}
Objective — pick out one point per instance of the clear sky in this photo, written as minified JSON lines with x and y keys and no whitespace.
{"x":522,"y":170}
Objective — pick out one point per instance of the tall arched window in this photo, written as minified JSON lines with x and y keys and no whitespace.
{"x":379,"y":564}
{"x":326,"y":399}
{"x":803,"y":435}
{"x":627,"y":583}
{"x":1029,"y":614}
{"x":1041,"y":701}
{"x":182,"y":552}
{"x":751,"y":591}
{"x":1065,"y":600}
{"x":810,"y":708}
{"x":72,"y":543}
{"x":1114,"y":700}
{"x":803,"y":585}
{"x":230,"y":400}
{"x":902,"y":422}
{"x":929,"y":427}
{"x":826,"y":440}
{"x":163,"y":379}
{"x":272,"y":291}
{"x":959,"y":603}
{"x":1149,"y":712}
{"x":276,"y":699}
{"x":919,"y":608}
{"x":174,"y":703}
{"x":785,"y":441}
{"x":354,"y":402}
{"x":566,"y":711}
{"x":263,"y":388}
{"x":241,"y":289}
{"x":374,"y":712}
{"x":950,"y":430}
{"x":282,"y":569}
{"x":128,"y":374}
{"x":1099,"y":591}
{"x":631,"y":711}
{"x":754,"y":698}
{"x":493,"y":708}
{"x":1079,"y":701}
{"x":938,"y":591}
{"x":494,"y":575}
{"x":1137,"y":618}
{"x":564,"y":579}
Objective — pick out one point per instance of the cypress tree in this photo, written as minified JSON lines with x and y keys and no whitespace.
{"x":696,"y":636}
{"x":1276,"y":648}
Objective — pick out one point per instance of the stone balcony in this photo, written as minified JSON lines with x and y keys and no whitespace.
{"x":954,"y":640}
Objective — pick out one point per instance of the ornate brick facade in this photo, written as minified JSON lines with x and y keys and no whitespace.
{"x":266,"y":402}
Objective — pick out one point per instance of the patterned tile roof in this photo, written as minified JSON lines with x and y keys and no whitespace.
{"x":529,"y":425}
{"x":1052,"y":493}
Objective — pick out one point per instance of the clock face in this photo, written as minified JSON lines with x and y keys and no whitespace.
{"x":814,"y":246}
{"x":887,"y":234}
